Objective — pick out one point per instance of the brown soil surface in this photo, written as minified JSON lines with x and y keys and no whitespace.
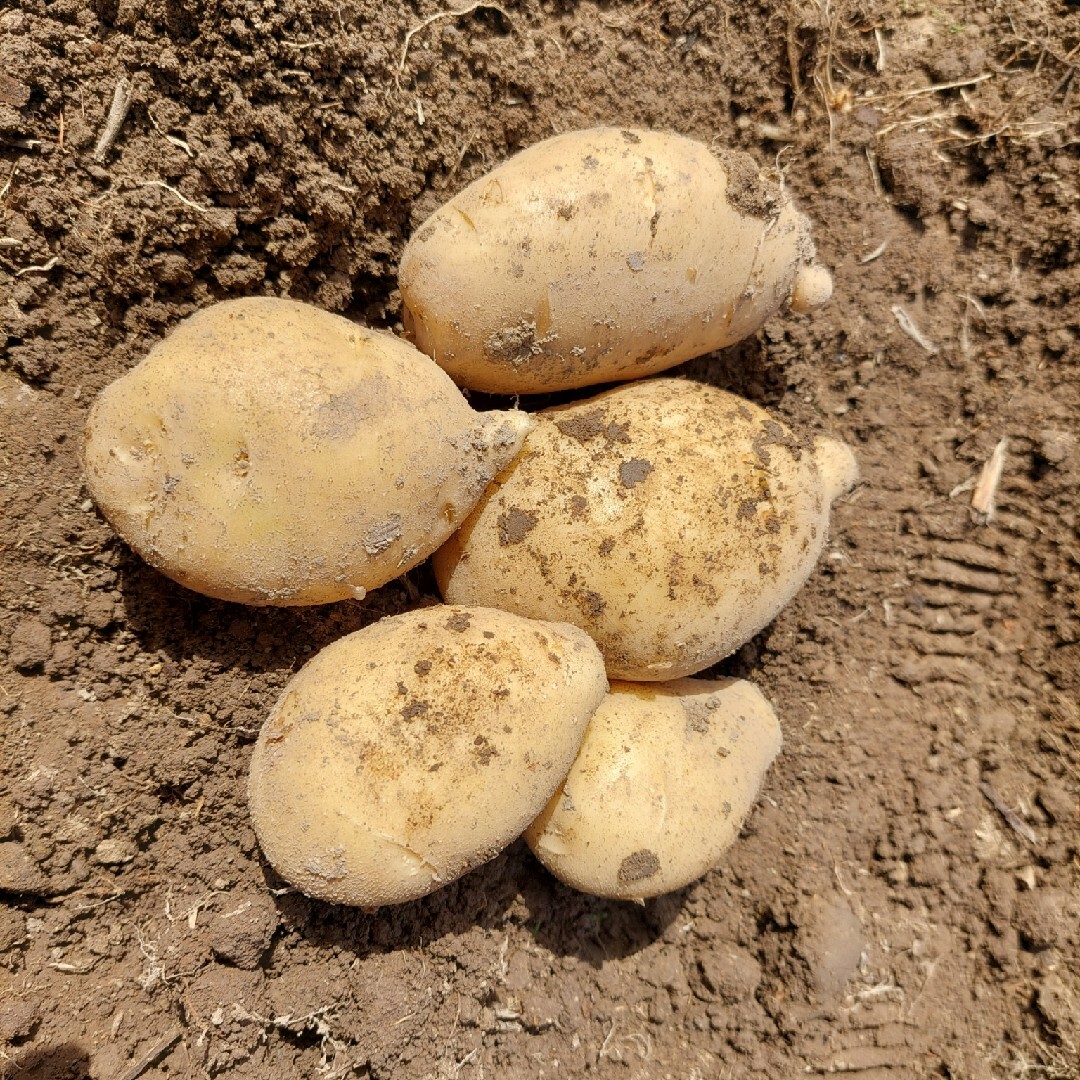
{"x":905,"y":901}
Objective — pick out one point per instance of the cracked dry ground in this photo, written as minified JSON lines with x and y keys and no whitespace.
{"x":881,"y":916}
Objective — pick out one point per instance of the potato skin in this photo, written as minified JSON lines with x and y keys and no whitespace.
{"x":663,"y":781}
{"x":411,"y":751}
{"x":272,"y":453}
{"x":597,"y":256}
{"x":669,"y":519}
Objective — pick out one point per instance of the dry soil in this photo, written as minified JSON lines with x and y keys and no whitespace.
{"x":905,"y":901}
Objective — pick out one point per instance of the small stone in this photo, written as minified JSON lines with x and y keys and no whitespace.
{"x":1026,"y":877}
{"x":114,"y":851}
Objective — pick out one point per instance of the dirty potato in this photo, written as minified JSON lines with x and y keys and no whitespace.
{"x":663,"y":781}
{"x":670,"y":520}
{"x":413,"y":750}
{"x":272,"y":453}
{"x":602,"y":255}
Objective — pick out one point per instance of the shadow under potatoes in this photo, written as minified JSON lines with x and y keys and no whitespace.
{"x":513,"y":890}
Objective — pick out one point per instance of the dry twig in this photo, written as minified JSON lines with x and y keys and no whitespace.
{"x":904,"y":95}
{"x":1012,"y":819}
{"x":984,"y":497}
{"x":152,"y":1056}
{"x":121,"y":102}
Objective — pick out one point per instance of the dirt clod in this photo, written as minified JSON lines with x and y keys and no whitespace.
{"x":31,"y":645}
{"x":19,"y":873}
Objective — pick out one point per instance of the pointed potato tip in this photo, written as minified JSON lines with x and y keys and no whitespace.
{"x":813,"y":287}
{"x":504,"y":432}
{"x":839,"y":469}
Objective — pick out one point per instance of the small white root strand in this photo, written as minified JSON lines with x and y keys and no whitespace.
{"x":453,"y":13}
{"x":907,"y":324}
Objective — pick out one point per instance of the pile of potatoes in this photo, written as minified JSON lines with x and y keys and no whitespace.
{"x":267,"y":452}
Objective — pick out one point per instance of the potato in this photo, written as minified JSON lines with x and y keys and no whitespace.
{"x":603,"y":255}
{"x":670,"y":520}
{"x":660,"y":788}
{"x":271,"y":453}
{"x":417,"y":748}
